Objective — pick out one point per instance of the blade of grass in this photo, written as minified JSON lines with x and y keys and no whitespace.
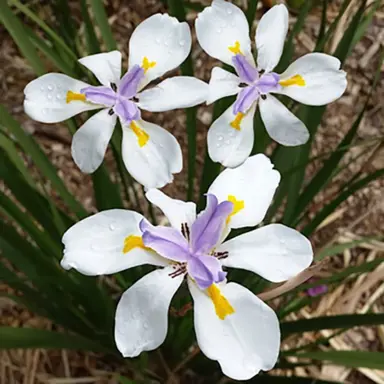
{"x":90,"y":35}
{"x":330,"y":322}
{"x":29,"y":146}
{"x":101,"y":18}
{"x":11,"y":338}
{"x":251,"y":11}
{"x":353,"y":359}
{"x":176,"y":8}
{"x":18,"y":33}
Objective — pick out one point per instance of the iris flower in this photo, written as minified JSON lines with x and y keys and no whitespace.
{"x":232,"y":325}
{"x":314,"y":79}
{"x":150,"y":153}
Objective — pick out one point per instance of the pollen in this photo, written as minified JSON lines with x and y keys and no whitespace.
{"x":147,"y":64}
{"x":131,"y":242}
{"x":237,"y":121}
{"x":73,"y":96}
{"x":238,"y":205}
{"x":222,"y":306}
{"x":294,"y":80}
{"x":235,"y":49}
{"x":141,"y":135}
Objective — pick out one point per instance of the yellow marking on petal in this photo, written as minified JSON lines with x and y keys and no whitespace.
{"x":73,"y":96}
{"x":238,"y":205}
{"x":237,"y":121}
{"x":235,"y":49}
{"x":131,"y":242}
{"x":147,"y":64}
{"x":294,"y":80}
{"x":141,"y":135}
{"x":222,"y":306}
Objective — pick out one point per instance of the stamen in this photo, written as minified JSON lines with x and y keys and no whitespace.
{"x":141,"y":135}
{"x":181,"y":269}
{"x":222,"y":306}
{"x":237,"y":121}
{"x":221,"y":255}
{"x":131,"y":242}
{"x":294,"y":80}
{"x":235,"y":49}
{"x":238,"y":205}
{"x":114,"y":86}
{"x":73,"y":96}
{"x":185,"y":230}
{"x":147,"y":64}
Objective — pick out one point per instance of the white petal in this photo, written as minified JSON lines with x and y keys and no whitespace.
{"x":178,"y":212}
{"x":219,"y":27}
{"x":45,"y":98}
{"x":246,"y":341}
{"x":275,"y":252}
{"x":254,"y":183}
{"x":173,"y":93}
{"x":161,"y":39}
{"x":141,"y":321}
{"x":153,"y":164}
{"x":324,"y":81}
{"x":227,"y":145}
{"x":281,"y":124}
{"x":105,"y":66}
{"x":222,"y":84}
{"x":91,"y":140}
{"x":270,"y":36}
{"x":94,"y":246}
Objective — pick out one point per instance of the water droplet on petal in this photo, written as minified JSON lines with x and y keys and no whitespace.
{"x":182,"y":43}
{"x":229,"y":11}
{"x":220,"y":138}
{"x":50,"y":87}
{"x":49,"y":96}
{"x":158,"y":40}
{"x":112,"y":227}
{"x":166,"y":43}
{"x":227,"y":142}
{"x":233,"y":24}
{"x":42,"y":88}
{"x":218,"y":145}
{"x":218,"y":30}
{"x":145,"y":325}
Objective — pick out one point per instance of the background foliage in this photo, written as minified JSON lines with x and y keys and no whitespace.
{"x":37,"y":206}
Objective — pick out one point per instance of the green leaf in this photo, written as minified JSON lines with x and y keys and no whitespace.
{"x":101,"y":18}
{"x":330,"y":207}
{"x":353,"y":359}
{"x":90,"y":35}
{"x":19,"y":36}
{"x":251,"y":11}
{"x":107,"y":193}
{"x":30,"y":147}
{"x":39,"y":338}
{"x":270,"y":379}
{"x":330,"y":322}
{"x":176,"y":8}
{"x":340,"y":248}
{"x":49,"y":31}
{"x":346,"y":43}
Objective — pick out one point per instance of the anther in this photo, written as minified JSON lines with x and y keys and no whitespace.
{"x":111,"y":112}
{"x":114,"y":87}
{"x":264,"y":97}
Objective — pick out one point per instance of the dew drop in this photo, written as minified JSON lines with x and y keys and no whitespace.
{"x":50,"y":87}
{"x":182,"y":43}
{"x":112,"y":227}
{"x":220,"y":138}
{"x":233,"y":24}
{"x":145,"y":325}
{"x":227,"y":142}
{"x":166,"y":43}
{"x":218,"y":145}
{"x":229,"y":11}
{"x":158,"y":40}
{"x":218,"y":30}
{"x":49,"y":96}
{"x":42,"y":88}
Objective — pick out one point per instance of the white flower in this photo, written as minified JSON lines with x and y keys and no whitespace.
{"x":233,"y":326}
{"x":151,"y":154}
{"x":314,"y":79}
